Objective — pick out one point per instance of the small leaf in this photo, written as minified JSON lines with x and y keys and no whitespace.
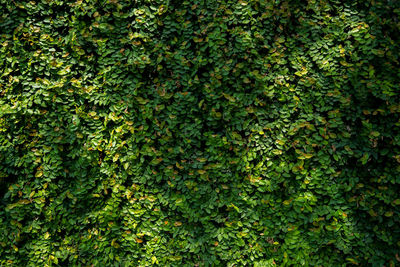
{"x":374,"y":133}
{"x":364,"y":158}
{"x":39,"y":174}
{"x":396,"y":201}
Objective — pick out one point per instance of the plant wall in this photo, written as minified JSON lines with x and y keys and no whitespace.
{"x":199,"y":133}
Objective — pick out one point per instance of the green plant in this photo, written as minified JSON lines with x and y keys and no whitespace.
{"x":197,"y":133}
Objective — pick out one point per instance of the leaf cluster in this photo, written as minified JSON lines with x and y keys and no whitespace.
{"x":199,"y":133}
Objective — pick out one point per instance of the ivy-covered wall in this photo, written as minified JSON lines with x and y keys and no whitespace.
{"x":199,"y":133}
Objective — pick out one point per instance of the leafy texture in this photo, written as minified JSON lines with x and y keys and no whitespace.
{"x":198,"y":133}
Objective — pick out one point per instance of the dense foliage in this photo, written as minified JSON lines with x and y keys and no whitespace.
{"x":197,"y":133}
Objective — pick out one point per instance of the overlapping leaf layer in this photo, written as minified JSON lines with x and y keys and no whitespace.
{"x":199,"y":133}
